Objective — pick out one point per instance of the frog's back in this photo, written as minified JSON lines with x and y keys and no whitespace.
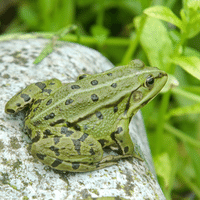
{"x":77,"y":101}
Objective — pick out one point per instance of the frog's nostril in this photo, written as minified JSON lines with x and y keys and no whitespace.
{"x":160,"y":75}
{"x":18,"y":104}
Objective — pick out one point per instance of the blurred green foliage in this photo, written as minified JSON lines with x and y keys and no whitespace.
{"x":162,"y":33}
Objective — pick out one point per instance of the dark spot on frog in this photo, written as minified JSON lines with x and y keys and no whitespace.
{"x":29,"y":131}
{"x":40,"y":85}
{"x":102,"y":142}
{"x":115,"y":109}
{"x":94,"y":97}
{"x":55,"y":149}
{"x":38,"y":101}
{"x":28,"y":111}
{"x":56,"y":140}
{"x":69,"y":124}
{"x":99,"y":115}
{"x":94,"y":82}
{"x":56,"y":162}
{"x":25,"y":97}
{"x":97,"y":165}
{"x":49,"y":102}
{"x":60,"y":121}
{"x":82,"y":77}
{"x":75,"y":165}
{"x":50,"y":116}
{"x":68,"y":101}
{"x":47,"y":91}
{"x":114,"y":85}
{"x":37,"y":137}
{"x":64,"y":130}
{"x":126,"y":149}
{"x":40,"y":156}
{"x":83,"y":137}
{"x":92,"y":151}
{"x":75,"y":87}
{"x":77,"y":145}
{"x":77,"y":127}
{"x":18,"y":104}
{"x":46,"y":133}
{"x":51,"y":83}
{"x":36,"y":123}
{"x":35,"y":109}
{"x":109,"y":74}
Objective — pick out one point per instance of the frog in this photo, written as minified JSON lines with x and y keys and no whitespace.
{"x":72,"y":124}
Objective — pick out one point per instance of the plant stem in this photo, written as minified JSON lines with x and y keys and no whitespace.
{"x":191,"y":185}
{"x":161,"y":121}
{"x":133,"y":43}
{"x":186,"y":94}
{"x":182,"y":135}
{"x":87,"y":40}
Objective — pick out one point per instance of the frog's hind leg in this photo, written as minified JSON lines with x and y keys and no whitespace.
{"x":66,"y":149}
{"x":30,"y":93}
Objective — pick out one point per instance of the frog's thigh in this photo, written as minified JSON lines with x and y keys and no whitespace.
{"x":41,"y":87}
{"x":73,"y":153}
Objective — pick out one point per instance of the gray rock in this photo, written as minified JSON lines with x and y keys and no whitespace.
{"x":22,"y":176}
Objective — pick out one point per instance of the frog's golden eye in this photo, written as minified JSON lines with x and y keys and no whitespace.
{"x":149,"y":81}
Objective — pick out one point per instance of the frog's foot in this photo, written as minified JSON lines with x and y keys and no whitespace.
{"x":74,"y":166}
{"x":112,"y":158}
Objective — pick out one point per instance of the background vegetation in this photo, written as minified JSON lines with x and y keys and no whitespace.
{"x":162,"y":33}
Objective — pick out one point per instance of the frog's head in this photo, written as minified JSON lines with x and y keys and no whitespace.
{"x":148,"y":81}
{"x":17,"y":103}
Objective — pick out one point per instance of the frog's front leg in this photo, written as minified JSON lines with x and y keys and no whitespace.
{"x":26,"y":96}
{"x":122,"y":137}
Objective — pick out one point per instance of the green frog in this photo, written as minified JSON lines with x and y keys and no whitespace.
{"x":70,"y":124}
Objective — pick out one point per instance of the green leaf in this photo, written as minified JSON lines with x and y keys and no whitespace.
{"x":164,"y":13}
{"x":28,"y":15}
{"x":194,"y":4}
{"x":188,"y":51}
{"x":194,"y":155}
{"x":189,"y":95}
{"x":193,"y":109}
{"x":193,"y":25}
{"x":182,"y":136}
{"x":50,"y":46}
{"x":163,"y":167}
{"x":156,"y":43}
{"x":191,"y":64}
{"x":100,"y":33}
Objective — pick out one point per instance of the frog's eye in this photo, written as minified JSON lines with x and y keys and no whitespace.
{"x":149,"y":81}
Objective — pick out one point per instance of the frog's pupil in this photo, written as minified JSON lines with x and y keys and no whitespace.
{"x":149,"y":81}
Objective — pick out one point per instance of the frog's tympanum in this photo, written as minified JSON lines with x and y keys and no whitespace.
{"x":70,"y":124}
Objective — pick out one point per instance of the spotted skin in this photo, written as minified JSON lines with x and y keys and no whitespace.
{"x":70,"y":124}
